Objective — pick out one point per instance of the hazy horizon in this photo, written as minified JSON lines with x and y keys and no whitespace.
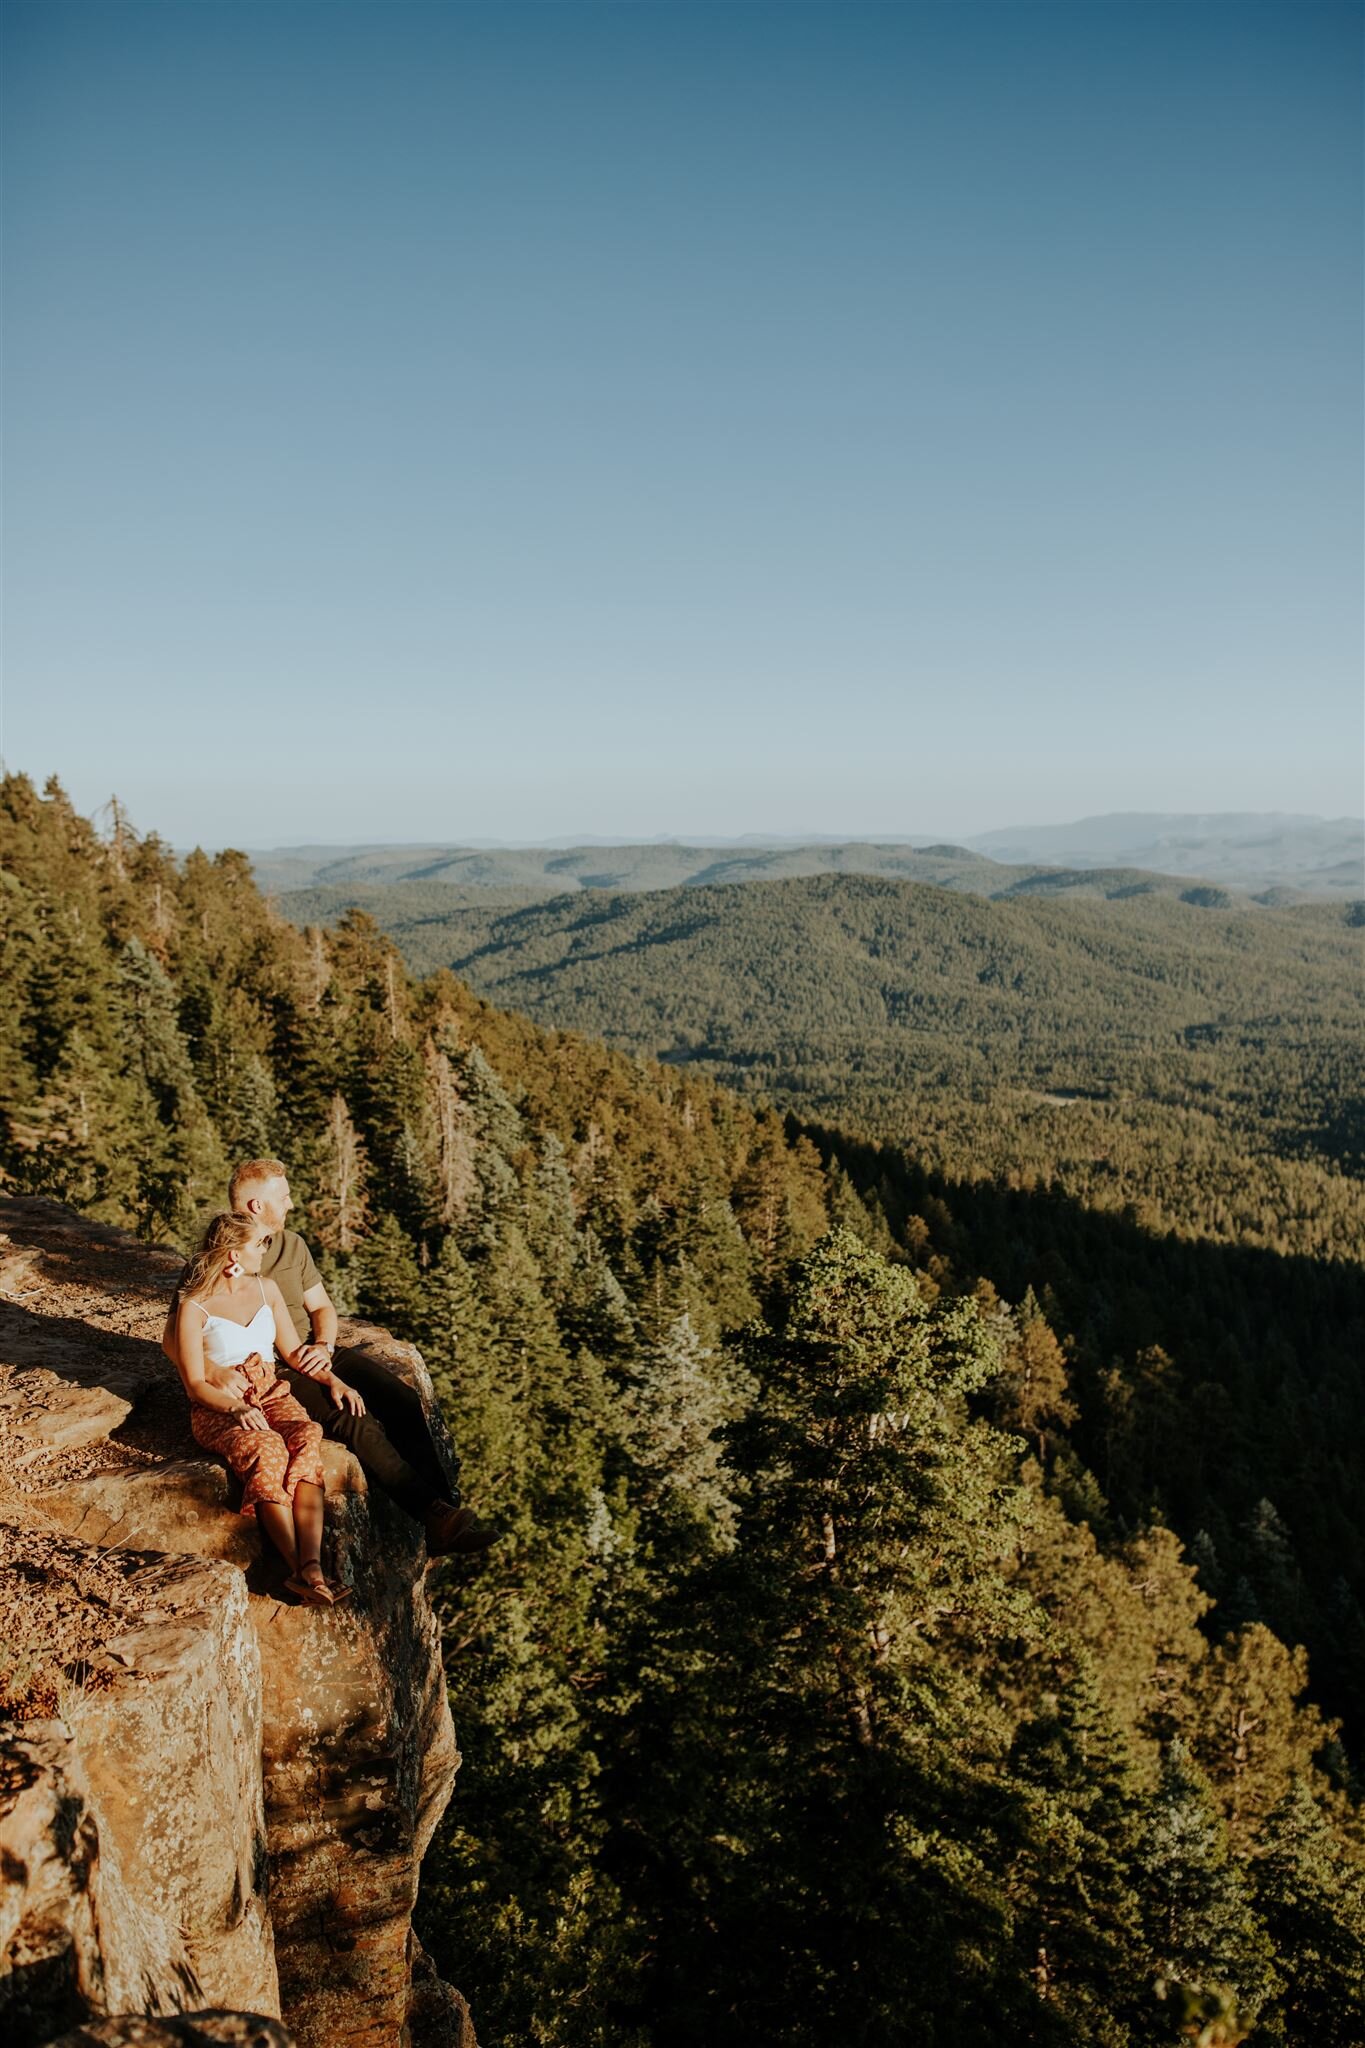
{"x":779,"y":836}
{"x":797,"y":839}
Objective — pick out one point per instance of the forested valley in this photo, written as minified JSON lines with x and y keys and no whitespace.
{"x":928,"y":1605}
{"x":1190,"y":1058}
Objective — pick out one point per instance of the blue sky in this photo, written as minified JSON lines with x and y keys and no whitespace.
{"x":517,"y":422}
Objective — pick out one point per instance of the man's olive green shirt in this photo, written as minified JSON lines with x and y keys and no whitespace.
{"x":289,"y":1263}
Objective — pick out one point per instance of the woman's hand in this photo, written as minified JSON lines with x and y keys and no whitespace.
{"x":229,"y":1379}
{"x":248,"y":1416}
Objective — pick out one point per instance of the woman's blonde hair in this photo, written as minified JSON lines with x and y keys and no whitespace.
{"x":226,"y":1233}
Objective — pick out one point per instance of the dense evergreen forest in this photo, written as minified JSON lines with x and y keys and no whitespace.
{"x":842,"y":1672}
{"x":1198,"y":1063}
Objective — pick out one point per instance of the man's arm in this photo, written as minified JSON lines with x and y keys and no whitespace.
{"x":226,"y":1378}
{"x":322,"y":1316}
{"x":315,"y":1354}
{"x":315,"y":1359}
{"x":194,"y":1370}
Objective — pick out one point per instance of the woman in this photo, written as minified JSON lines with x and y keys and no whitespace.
{"x":230,"y":1317}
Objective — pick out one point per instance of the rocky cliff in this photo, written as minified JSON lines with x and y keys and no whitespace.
{"x":208,"y":1799}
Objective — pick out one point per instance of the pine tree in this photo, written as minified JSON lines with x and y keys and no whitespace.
{"x":817,"y":1690}
{"x":400,"y":1131}
{"x":1269,"y":1562}
{"x":1173,"y":1606}
{"x":1034,"y":1385}
{"x":389,"y":1279}
{"x":247,"y":1108}
{"x":1247,"y":1729}
{"x":1310,"y":1892}
{"x":778,"y":1198}
{"x":671,"y":1414}
{"x":595,"y":1312}
{"x":181,"y":1163}
{"x":455,"y":1137}
{"x":1204,"y":1558}
{"x":694,"y":1260}
{"x":339,"y":1209}
{"x":486,"y":1124}
{"x":551,"y":1222}
{"x":1077,"y":1919}
{"x":85,"y":1138}
{"x":459,"y":1344}
{"x":604,"y":1201}
{"x":1201,"y":1928}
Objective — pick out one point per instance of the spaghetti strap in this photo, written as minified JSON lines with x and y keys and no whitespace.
{"x":261,"y":1284}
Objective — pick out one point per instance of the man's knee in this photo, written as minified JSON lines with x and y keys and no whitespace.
{"x":350,"y":1429}
{"x":383,"y":1388}
{"x":314,"y":1400}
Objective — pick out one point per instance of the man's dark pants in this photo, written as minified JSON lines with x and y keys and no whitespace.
{"x":391,"y":1439}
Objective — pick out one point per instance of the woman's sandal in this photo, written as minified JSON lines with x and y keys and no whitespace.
{"x":310,"y":1592}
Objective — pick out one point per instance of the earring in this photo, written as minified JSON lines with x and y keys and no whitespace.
{"x":234,"y":1270}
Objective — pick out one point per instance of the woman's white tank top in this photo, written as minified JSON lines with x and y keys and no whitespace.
{"x":229,"y":1343}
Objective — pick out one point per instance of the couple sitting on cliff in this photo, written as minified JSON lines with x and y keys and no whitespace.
{"x":245,"y":1295}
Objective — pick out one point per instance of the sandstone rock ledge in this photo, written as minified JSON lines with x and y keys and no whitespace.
{"x":208,"y":1799}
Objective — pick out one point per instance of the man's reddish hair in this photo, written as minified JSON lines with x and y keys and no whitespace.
{"x":253,"y":1173}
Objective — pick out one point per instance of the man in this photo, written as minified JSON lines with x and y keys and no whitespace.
{"x":371,"y":1410}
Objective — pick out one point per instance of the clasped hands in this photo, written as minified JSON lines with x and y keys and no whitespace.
{"x":315,"y":1362}
{"x":310,"y":1359}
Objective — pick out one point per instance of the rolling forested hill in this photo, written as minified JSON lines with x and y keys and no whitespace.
{"x":1274,"y":857}
{"x":922,"y":1601}
{"x":550,"y":871}
{"x":1198,"y":1063}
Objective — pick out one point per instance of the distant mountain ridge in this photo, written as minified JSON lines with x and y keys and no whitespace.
{"x":1253,"y":852}
{"x":1250,"y":850}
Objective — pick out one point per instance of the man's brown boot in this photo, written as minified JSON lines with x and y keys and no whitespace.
{"x":455,"y":1532}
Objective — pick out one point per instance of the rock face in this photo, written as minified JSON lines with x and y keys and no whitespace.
{"x":188,"y":2030}
{"x":208,"y":1798}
